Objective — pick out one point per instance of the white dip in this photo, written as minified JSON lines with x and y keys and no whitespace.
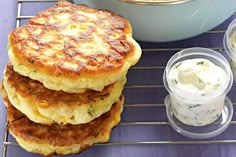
{"x":201,"y":77}
{"x":232,"y":41}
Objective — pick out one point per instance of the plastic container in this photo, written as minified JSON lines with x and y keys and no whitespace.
{"x":201,"y":132}
{"x":230,"y":46}
{"x":187,"y":106}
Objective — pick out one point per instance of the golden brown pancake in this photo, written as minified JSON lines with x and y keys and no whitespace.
{"x":74,"y":47}
{"x":45,"y":106}
{"x":61,"y":139}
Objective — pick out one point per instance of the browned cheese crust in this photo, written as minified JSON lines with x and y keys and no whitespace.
{"x":67,"y":40}
{"x":27,"y":87}
{"x":61,"y":139}
{"x":45,"y":106}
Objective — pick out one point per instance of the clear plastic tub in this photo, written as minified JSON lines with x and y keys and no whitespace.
{"x":196,"y":109}
{"x":201,"y":132}
{"x":230,"y":46}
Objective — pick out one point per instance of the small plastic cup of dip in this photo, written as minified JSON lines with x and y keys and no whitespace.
{"x":230,"y":45}
{"x":198,"y":107}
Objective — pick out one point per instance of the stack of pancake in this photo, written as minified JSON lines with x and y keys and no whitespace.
{"x":63,"y":85}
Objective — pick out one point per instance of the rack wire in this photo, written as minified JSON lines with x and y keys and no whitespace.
{"x":8,"y":143}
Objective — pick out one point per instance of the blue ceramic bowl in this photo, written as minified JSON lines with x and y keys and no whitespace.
{"x":161,"y":23}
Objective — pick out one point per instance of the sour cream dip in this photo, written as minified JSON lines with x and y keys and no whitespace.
{"x":229,"y":43}
{"x":197,"y":80}
{"x":232,"y":42}
{"x":198,"y":76}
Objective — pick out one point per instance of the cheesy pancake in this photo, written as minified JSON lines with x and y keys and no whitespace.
{"x":74,"y":47}
{"x":46,"y":106}
{"x":61,"y":139}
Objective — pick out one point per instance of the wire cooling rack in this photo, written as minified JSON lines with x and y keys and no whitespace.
{"x":144,"y":122}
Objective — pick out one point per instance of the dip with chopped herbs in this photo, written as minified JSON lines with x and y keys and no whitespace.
{"x":202,"y":77}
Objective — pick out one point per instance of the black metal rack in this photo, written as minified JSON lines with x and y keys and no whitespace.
{"x":152,"y":85}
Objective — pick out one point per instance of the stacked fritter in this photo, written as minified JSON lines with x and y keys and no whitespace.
{"x":63,"y":85}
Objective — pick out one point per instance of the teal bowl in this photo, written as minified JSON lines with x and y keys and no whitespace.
{"x":169,"y":22}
